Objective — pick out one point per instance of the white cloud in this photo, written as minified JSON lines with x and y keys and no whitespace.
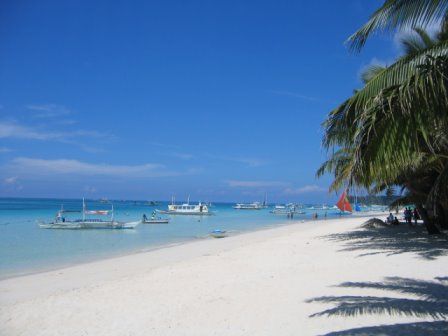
{"x":304,"y":190}
{"x":30,"y":166}
{"x":5,"y":150}
{"x":12,"y":183}
{"x":12,"y":129}
{"x":89,"y":189}
{"x":10,"y":180}
{"x":373,"y":62}
{"x":183,"y":156}
{"x":248,"y":161}
{"x":49,"y":110}
{"x":295,"y":94}
{"x":432,"y":29}
{"x":251,"y":162}
{"x":253,"y":184}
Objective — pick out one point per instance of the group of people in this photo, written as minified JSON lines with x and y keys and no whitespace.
{"x":409,"y":215}
{"x":152,"y":216}
{"x":392,"y":220}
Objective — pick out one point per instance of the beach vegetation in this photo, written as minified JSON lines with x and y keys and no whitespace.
{"x":394,"y":130}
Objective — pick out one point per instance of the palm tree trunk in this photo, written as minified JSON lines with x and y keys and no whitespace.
{"x":429,"y":223}
{"x":441,"y":217}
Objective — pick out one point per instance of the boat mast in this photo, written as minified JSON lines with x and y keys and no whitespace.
{"x":83,"y":210}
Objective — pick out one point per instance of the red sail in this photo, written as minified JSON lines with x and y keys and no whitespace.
{"x":343,"y":203}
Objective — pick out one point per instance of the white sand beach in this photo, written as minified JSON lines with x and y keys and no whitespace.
{"x":318,"y":278}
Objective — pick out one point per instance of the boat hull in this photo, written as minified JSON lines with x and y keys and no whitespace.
{"x":218,"y":234}
{"x":156,"y":221}
{"x":77,"y":225}
{"x":285,"y":212}
{"x":191,"y":213}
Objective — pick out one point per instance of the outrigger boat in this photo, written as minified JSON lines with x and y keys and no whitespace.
{"x":284,"y":210}
{"x":249,"y":206}
{"x":154,"y":220}
{"x":62,"y":221}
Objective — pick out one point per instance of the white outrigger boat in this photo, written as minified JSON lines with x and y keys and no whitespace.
{"x":286,"y":209}
{"x":62,"y":221}
{"x":249,"y":206}
{"x":200,"y":209}
{"x":154,"y":219}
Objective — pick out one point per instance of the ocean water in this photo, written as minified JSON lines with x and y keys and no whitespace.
{"x":26,"y":248}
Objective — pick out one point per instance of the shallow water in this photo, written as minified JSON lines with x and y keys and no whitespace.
{"x":26,"y":248}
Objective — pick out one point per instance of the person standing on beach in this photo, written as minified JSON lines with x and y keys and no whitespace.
{"x":408,"y":215}
{"x":415,"y":215}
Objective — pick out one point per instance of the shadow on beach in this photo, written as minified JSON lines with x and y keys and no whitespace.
{"x":393,"y":240}
{"x":429,"y":300}
{"x":405,"y":329}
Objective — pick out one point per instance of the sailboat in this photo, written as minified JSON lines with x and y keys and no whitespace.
{"x":344,"y":205}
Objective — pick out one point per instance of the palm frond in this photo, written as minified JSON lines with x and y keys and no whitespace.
{"x":398,"y":14}
{"x":371,"y":71}
{"x":417,"y":41}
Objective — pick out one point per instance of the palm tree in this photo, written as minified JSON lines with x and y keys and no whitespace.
{"x":400,"y":14}
{"x":396,"y":125}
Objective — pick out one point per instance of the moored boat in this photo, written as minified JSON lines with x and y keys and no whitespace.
{"x":63,"y":220}
{"x":344,"y":205}
{"x":200,"y":209}
{"x":154,"y":219}
{"x":248,"y":206}
{"x":218,"y":234}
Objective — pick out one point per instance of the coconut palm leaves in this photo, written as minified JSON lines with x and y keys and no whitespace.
{"x":394,"y":131}
{"x":400,"y":14}
{"x":396,"y":126}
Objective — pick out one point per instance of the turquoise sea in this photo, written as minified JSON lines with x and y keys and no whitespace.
{"x":26,"y":248}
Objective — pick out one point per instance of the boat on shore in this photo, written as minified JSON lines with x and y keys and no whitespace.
{"x":218,"y":234}
{"x":94,"y":220}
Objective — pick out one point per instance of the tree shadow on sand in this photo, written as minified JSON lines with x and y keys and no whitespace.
{"x":428,"y":299}
{"x":393,"y":240}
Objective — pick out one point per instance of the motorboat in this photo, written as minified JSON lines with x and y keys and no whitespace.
{"x":249,"y":206}
{"x":90,"y":219}
{"x":200,"y":209}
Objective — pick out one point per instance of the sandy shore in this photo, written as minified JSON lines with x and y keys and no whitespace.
{"x":319,"y":278}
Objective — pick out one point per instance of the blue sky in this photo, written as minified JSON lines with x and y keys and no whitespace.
{"x":219,"y":100}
